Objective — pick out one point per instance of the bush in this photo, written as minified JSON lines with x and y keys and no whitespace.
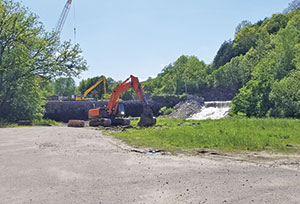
{"x":183,"y":97}
{"x":166,"y":111}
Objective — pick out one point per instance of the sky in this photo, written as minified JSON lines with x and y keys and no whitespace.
{"x":141,"y":37}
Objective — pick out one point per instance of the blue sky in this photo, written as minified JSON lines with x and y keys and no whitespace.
{"x":140,"y":37}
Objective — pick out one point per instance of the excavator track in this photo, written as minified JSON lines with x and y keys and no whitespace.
{"x":95,"y":122}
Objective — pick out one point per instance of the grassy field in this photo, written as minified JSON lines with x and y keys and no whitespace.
{"x":233,"y":134}
{"x":42,"y":122}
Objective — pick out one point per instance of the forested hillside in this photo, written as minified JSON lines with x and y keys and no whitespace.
{"x":262,"y":63}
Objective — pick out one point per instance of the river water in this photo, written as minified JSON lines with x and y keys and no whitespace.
{"x":213,"y":110}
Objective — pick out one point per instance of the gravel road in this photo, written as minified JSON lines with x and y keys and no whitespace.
{"x":68,"y":165}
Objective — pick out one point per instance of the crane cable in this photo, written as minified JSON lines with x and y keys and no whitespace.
{"x":75,"y":29}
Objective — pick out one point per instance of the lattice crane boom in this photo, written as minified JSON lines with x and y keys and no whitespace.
{"x":63,"y":17}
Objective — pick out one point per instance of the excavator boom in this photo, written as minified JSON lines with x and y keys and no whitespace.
{"x":124,"y":86}
{"x":83,"y":98}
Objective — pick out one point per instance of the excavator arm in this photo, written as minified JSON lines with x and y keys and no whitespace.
{"x":124,"y":86}
{"x":83,"y":98}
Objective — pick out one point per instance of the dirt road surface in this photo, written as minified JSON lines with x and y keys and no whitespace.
{"x":69,"y":165}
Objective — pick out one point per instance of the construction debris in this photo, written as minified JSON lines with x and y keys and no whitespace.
{"x":76,"y":123}
{"x":188,"y":124}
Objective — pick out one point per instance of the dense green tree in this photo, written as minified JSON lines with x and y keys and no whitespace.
{"x":65,"y":86}
{"x":187,"y":73}
{"x":195,"y":75}
{"x":254,"y":97}
{"x":246,"y":39}
{"x":152,"y":85}
{"x":242,"y":25}
{"x":236,"y":73}
{"x":275,"y":23}
{"x":285,"y":93}
{"x":285,"y":96}
{"x":224,"y":55}
{"x":29,"y":58}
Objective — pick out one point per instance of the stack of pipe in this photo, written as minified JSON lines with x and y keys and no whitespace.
{"x":78,"y":110}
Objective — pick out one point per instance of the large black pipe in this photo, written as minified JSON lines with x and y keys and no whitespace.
{"x":78,"y":110}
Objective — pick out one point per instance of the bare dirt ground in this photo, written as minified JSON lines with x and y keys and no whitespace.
{"x":68,"y":165}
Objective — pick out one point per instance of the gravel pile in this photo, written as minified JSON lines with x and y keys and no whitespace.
{"x":187,"y":108}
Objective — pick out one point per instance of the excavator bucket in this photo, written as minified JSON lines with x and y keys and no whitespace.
{"x":147,"y":119}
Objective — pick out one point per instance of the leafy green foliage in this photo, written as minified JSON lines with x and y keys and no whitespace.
{"x":185,"y":74}
{"x":274,"y":24}
{"x":246,"y":39}
{"x":166,"y":111}
{"x":29,"y":58}
{"x":224,"y":55}
{"x":285,"y":96}
{"x":65,"y":86}
{"x":254,"y":97}
{"x":242,"y":25}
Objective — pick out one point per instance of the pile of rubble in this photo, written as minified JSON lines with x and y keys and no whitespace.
{"x":187,"y":108}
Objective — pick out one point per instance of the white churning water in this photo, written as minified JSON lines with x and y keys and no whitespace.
{"x":213,"y":110}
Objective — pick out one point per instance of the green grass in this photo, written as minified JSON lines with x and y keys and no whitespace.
{"x":42,"y":122}
{"x":46,"y":122}
{"x":233,"y":134}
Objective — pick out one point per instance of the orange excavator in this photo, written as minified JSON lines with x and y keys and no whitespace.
{"x":110,"y":114}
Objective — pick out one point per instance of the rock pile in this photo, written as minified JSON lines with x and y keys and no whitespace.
{"x":187,"y":108}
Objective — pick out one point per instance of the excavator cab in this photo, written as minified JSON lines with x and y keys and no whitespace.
{"x":121,"y":110}
{"x":99,"y":117}
{"x":101,"y":112}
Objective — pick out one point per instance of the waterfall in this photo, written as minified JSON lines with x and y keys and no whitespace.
{"x":213,"y":110}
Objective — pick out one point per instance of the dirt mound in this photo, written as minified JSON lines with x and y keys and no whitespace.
{"x":187,"y":108}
